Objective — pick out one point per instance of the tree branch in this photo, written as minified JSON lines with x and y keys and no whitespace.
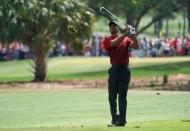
{"x":144,"y":12}
{"x":150,"y":23}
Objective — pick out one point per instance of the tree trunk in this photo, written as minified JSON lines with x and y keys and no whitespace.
{"x":160,"y":25}
{"x":179,"y":28}
{"x":167,"y":29}
{"x":130,"y":21}
{"x":40,"y":64}
{"x":184,"y":23}
{"x":188,"y":14}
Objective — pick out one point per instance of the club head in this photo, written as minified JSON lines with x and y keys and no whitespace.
{"x":131,"y":30}
{"x":102,"y":8}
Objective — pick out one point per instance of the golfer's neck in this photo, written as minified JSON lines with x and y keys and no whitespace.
{"x":114,"y":34}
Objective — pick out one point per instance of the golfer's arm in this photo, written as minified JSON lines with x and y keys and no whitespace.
{"x":116,"y":42}
{"x":135,"y":44}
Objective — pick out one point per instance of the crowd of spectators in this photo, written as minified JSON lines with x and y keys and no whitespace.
{"x":148,"y":47}
{"x":160,"y":47}
{"x":14,"y":51}
{"x":61,"y":49}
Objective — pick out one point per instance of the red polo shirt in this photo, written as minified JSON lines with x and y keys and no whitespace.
{"x":118,"y":54}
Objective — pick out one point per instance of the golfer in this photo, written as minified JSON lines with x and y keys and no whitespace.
{"x":119,"y":73}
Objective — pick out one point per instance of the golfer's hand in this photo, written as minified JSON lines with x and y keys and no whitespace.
{"x":132,"y":36}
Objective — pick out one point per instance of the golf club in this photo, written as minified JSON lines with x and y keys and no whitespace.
{"x":131,"y":28}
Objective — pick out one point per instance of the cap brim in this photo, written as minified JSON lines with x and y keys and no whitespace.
{"x":113,"y":23}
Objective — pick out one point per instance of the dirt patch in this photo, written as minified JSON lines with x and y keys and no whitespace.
{"x":65,"y":84}
{"x":176,"y":82}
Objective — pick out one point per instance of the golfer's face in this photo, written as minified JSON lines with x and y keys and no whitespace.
{"x":113,"y":29}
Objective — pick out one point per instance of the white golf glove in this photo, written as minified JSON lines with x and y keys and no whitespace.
{"x":132,"y":30}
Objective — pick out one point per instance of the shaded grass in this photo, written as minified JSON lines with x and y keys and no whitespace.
{"x":161,"y":69}
{"x":93,"y":68}
{"x":142,"y":71}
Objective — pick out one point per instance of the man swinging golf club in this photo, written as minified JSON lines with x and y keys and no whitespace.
{"x":119,"y":73}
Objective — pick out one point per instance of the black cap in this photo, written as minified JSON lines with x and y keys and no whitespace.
{"x":113,"y":23}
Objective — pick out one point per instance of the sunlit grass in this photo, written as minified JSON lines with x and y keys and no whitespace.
{"x":88,"y":109}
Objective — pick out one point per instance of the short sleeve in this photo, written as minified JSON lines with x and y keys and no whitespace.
{"x":128,"y":41}
{"x":106,"y":43}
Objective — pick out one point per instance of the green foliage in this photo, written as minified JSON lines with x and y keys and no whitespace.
{"x":135,"y":10}
{"x":8,"y":22}
{"x":78,"y":22}
{"x":40,"y":23}
{"x":44,"y":21}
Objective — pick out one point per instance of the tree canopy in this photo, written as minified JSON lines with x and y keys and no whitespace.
{"x":135,"y":10}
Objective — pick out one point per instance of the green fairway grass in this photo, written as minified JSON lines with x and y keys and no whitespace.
{"x":88,"y":109}
{"x":137,"y":126}
{"x":93,"y":68}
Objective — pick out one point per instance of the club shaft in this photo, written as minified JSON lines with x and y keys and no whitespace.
{"x":121,"y":21}
{"x":132,"y":29}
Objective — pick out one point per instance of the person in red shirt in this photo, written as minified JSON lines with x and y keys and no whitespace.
{"x":119,"y":73}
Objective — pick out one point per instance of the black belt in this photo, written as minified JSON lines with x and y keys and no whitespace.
{"x":120,"y":66}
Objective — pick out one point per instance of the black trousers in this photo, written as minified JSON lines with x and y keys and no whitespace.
{"x":118,"y":82}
